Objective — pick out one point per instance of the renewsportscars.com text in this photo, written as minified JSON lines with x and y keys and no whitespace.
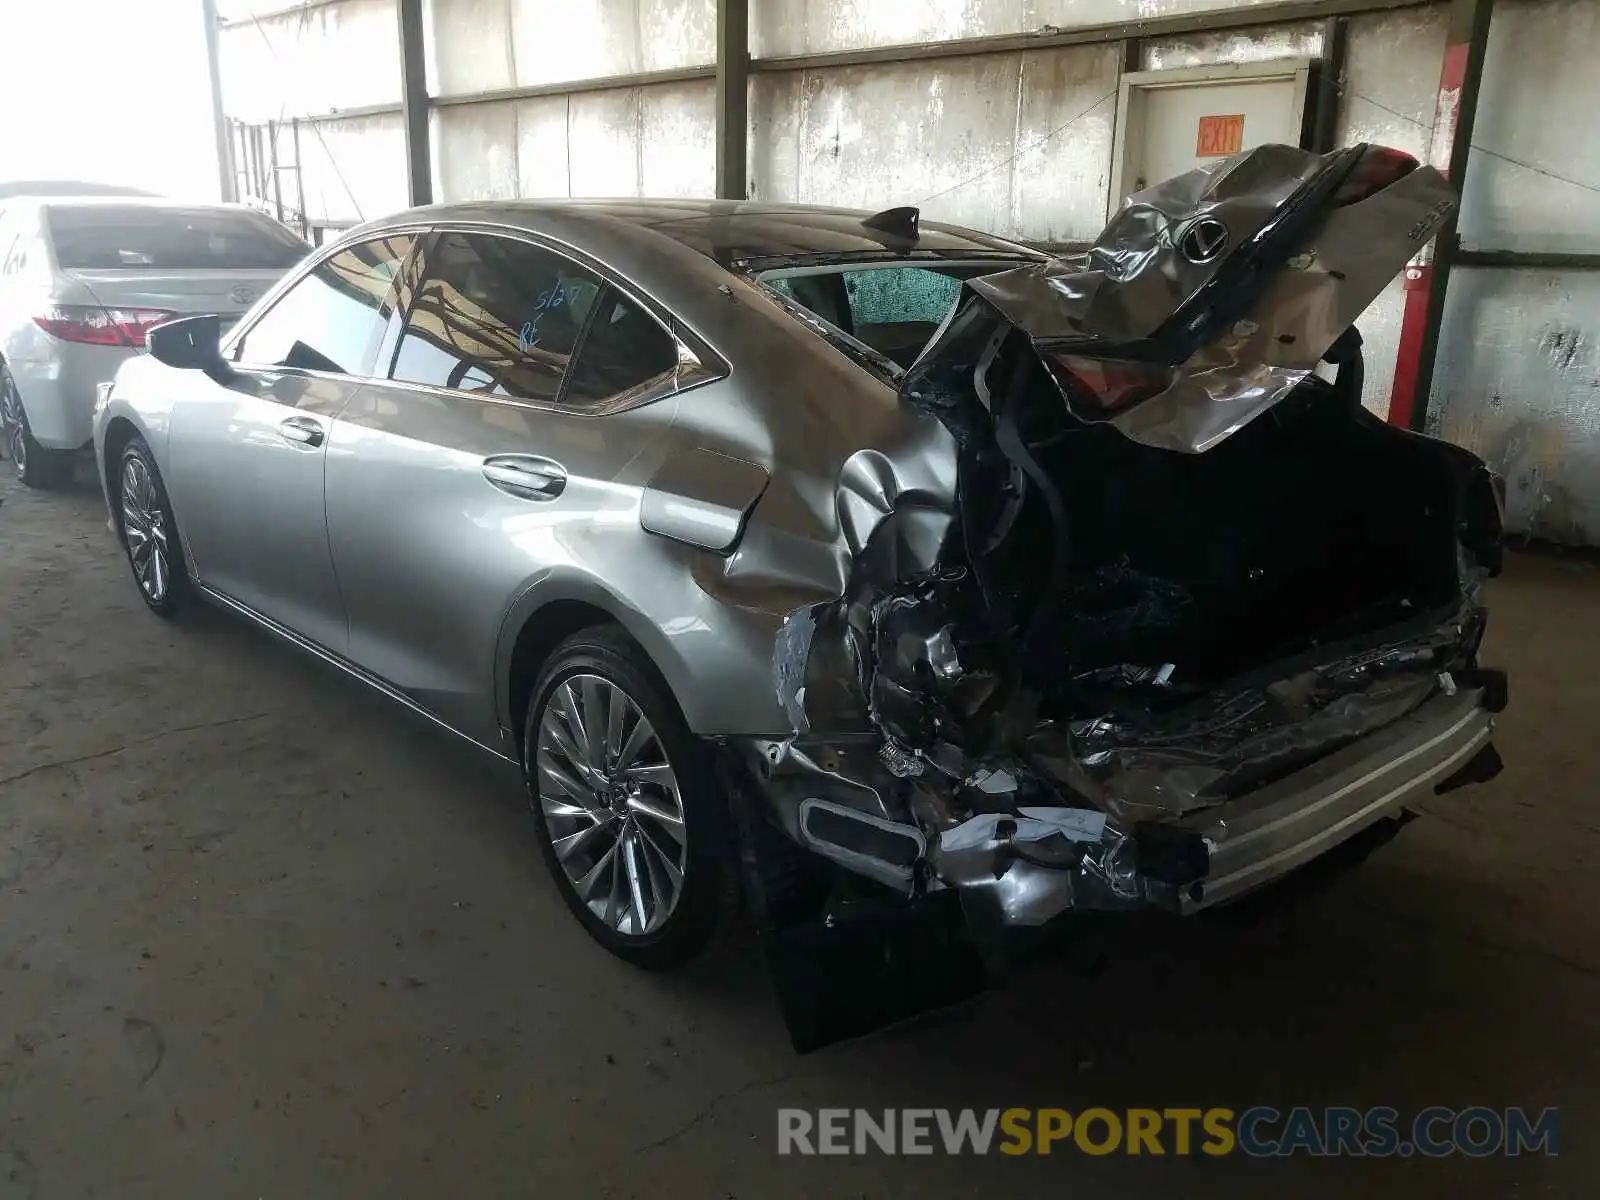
{"x":1260,"y":1131}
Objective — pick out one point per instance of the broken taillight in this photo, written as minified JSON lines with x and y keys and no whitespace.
{"x":1103,"y":386}
{"x":1378,"y":168}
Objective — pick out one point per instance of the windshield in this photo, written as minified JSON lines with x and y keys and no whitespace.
{"x":133,"y":238}
{"x":893,"y":309}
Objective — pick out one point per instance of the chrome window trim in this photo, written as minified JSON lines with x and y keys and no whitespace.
{"x":921,"y":264}
{"x":669,"y":383}
{"x":691,"y":372}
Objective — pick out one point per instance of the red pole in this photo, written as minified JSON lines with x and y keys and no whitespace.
{"x":1408,"y":358}
{"x":1454,"y":111}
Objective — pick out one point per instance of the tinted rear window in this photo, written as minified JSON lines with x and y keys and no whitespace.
{"x":176,"y":239}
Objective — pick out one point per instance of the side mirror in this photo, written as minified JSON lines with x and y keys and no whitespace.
{"x":191,"y":344}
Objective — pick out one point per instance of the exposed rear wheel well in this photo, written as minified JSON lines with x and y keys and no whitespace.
{"x":540,"y":634}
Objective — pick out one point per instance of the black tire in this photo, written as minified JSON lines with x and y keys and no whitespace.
{"x":708,"y":899}
{"x":36,"y":467}
{"x":149,"y":513}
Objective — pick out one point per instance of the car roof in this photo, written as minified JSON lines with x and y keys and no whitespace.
{"x":729,"y":232}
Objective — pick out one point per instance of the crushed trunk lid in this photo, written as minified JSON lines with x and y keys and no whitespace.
{"x":1206,"y":300}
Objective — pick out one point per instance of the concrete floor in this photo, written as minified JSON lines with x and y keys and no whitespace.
{"x":263,"y":934}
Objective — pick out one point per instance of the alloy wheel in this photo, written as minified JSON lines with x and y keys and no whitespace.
{"x":13,"y":424}
{"x":145,"y":526}
{"x":611,"y":804}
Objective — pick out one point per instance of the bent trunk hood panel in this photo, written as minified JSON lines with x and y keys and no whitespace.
{"x":1305,"y":265}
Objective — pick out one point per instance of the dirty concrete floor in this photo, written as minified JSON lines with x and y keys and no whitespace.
{"x":263,"y":934}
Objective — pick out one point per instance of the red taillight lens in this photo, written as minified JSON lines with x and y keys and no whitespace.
{"x":1378,"y":168}
{"x":94,"y":326}
{"x":1102,"y":386}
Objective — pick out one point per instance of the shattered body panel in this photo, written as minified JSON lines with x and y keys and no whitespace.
{"x":1003,"y":699}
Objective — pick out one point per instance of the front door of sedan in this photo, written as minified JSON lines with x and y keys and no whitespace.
{"x":485,"y":462}
{"x":247,"y":458}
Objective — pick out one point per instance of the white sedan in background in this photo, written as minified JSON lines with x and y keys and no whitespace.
{"x":81,"y":280}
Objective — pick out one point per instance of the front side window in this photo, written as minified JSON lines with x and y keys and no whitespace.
{"x":495,"y":315}
{"x":332,"y":318}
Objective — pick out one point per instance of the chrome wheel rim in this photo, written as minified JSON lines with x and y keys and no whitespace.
{"x":611,"y":805}
{"x":145,"y":528}
{"x":13,"y":425}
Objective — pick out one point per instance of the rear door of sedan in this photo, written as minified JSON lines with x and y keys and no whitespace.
{"x":494,"y":454}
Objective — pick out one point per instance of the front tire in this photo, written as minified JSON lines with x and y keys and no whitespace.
{"x":36,"y":467}
{"x":631,"y":822}
{"x":149,"y":532}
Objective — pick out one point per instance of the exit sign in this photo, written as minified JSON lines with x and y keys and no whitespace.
{"x":1220,"y":136}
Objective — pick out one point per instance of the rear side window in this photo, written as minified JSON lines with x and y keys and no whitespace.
{"x":897,"y":295}
{"x":117,"y":237}
{"x":333,"y":318}
{"x":495,"y":315}
{"x":892,"y":310}
{"x":624,"y":348}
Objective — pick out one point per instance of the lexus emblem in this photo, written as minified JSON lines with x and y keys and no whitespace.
{"x":242,"y":294}
{"x":1203,"y":240}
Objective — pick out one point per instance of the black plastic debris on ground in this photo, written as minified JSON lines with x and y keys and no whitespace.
{"x":860,"y":968}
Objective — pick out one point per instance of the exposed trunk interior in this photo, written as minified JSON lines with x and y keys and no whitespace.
{"x":1316,"y":523}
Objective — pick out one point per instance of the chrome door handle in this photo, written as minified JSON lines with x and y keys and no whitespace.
{"x":526,"y":476}
{"x":302,"y":431}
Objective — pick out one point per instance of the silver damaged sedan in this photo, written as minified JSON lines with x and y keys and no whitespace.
{"x":812,"y":557}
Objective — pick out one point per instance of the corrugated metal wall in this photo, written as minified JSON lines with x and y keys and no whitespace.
{"x":1019,"y":143}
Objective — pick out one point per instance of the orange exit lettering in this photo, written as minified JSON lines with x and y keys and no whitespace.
{"x":1220,"y":136}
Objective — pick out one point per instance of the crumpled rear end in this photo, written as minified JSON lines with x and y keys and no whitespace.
{"x":1193,"y":617}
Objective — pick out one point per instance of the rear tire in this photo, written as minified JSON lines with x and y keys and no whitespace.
{"x":149,"y":532}
{"x":36,"y":467}
{"x":632,"y":823}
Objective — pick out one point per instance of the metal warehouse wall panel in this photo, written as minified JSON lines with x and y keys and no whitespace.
{"x":314,"y":60}
{"x":1300,"y":40}
{"x":486,"y":45}
{"x":780,"y":27}
{"x":354,"y":168}
{"x":1391,"y":77}
{"x":1535,"y":167}
{"x":655,"y":141}
{"x":1015,"y":143}
{"x":1518,"y":373}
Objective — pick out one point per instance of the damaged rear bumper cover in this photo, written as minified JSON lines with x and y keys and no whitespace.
{"x":1029,"y":865}
{"x":1254,"y":840}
